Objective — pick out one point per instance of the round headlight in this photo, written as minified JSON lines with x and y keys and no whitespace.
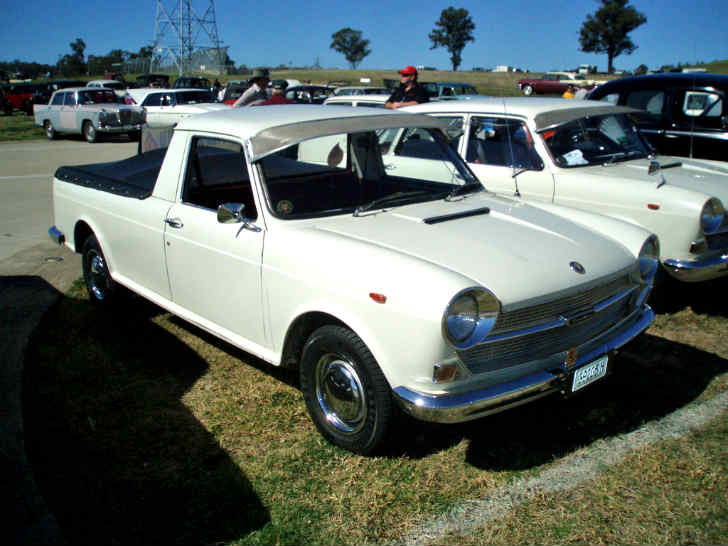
{"x":711,"y":217}
{"x":649,"y":258}
{"x":470,"y":317}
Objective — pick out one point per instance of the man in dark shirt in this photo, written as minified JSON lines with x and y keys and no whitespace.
{"x":409,"y":92}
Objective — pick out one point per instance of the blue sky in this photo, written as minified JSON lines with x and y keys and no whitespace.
{"x":530,"y":34}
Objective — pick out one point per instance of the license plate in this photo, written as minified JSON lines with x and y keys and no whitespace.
{"x":589,"y":373}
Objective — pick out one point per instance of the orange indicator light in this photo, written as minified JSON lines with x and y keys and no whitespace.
{"x":379,"y":298}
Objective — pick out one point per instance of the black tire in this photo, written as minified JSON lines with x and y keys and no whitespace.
{"x":99,"y":284}
{"x":89,"y":132}
{"x":527,"y":90}
{"x":346,"y":393}
{"x":49,"y":130}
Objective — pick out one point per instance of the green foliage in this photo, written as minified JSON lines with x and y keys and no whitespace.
{"x":453,"y":31}
{"x":606,"y":31}
{"x":349,"y":43}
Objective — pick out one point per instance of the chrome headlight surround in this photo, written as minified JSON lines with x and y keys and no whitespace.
{"x":469,"y":317}
{"x":648,"y":261}
{"x":712,"y":216}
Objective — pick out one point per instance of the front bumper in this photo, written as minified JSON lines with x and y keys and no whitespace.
{"x":460,"y":407}
{"x":701,"y":270}
{"x":119,"y":128}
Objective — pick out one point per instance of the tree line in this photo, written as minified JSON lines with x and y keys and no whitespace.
{"x":605,"y":31}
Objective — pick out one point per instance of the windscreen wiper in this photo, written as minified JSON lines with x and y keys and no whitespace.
{"x":389,"y":199}
{"x":465,"y":188}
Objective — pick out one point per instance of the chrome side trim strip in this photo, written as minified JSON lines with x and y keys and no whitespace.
{"x":460,"y":407}
{"x":56,"y":235}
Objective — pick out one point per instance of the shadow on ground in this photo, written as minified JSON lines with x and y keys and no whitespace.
{"x":116,"y":454}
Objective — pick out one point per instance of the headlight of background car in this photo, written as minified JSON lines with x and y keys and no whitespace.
{"x":469,"y":317}
{"x":648,"y":262}
{"x":711,"y":217}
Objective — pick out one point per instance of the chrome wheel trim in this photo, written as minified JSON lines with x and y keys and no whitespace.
{"x":98,"y":276}
{"x":49,"y":129}
{"x":528,"y":90}
{"x":90,"y":131}
{"x":340,"y":394}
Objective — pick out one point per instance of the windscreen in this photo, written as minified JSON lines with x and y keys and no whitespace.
{"x":595,"y":140}
{"x":363,"y":171}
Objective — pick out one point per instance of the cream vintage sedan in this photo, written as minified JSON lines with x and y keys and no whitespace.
{"x":281,"y":230}
{"x":167,"y":107}
{"x":589,"y":155}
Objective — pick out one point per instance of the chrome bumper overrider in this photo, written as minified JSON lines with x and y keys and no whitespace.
{"x":56,"y":235}
{"x":456,"y":408}
{"x":701,"y":270}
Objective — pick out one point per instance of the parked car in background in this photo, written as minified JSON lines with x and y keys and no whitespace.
{"x":118,"y":87}
{"x":192,"y":82}
{"x":166,"y":107}
{"x":44,"y":90}
{"x":360,"y":90}
{"x":590,"y":156}
{"x":309,"y":94}
{"x":91,"y":112}
{"x":152,"y":80}
{"x":449,"y":90}
{"x":371,"y":101}
{"x":553,"y":83}
{"x":289,"y":82}
{"x":687,"y":114}
{"x":20,"y":96}
{"x":5,"y":106}
{"x":281,"y":231}
{"x":233,"y":93}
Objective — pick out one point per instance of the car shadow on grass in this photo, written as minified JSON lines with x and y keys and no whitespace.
{"x":651,"y":378}
{"x":117,"y":455}
{"x":702,"y":297}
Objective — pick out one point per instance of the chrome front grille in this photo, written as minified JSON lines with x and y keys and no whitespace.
{"x":525,"y":345}
{"x":125,"y":117}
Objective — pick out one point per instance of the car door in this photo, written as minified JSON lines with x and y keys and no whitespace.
{"x":215,"y":268}
{"x":155,"y":111}
{"x":67,"y":121}
{"x":500,"y":150}
{"x":699,"y":126}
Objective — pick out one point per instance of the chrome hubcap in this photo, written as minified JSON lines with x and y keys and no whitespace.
{"x":97,"y":277}
{"x":340,"y":394}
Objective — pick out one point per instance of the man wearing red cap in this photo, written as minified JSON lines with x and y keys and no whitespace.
{"x":409,"y":92}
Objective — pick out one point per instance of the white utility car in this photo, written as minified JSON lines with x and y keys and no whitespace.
{"x":282,"y":231}
{"x":166,"y":107}
{"x":590,"y":156}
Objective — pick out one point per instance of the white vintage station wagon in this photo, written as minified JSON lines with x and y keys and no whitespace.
{"x":284,"y":231}
{"x":589,"y":155}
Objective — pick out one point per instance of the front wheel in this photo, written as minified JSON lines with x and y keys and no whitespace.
{"x":527,"y":90}
{"x":89,"y":132}
{"x":346,"y":393}
{"x":99,"y":284}
{"x":49,"y":130}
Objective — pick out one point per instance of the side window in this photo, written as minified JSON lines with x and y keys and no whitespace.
{"x":612,"y":98}
{"x":418,"y":143}
{"x":702,"y":103}
{"x":155,"y":99}
{"x":58,"y":98}
{"x":649,"y":100}
{"x":216,"y":174}
{"x":70,"y":99}
{"x":501,"y":142}
{"x":454,"y":130}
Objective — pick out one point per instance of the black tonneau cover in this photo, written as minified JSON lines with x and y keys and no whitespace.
{"x":134,"y":177}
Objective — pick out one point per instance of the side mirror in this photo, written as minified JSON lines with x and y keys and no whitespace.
{"x":230,"y":213}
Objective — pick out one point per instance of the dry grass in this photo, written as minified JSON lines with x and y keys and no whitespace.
{"x":142,"y":429}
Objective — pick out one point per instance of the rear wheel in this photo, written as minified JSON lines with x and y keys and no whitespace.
{"x":99,"y":284}
{"x":89,"y":132}
{"x":527,"y":90}
{"x":346,"y":393}
{"x":49,"y":130}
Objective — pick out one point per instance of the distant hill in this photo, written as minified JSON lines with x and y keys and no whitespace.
{"x":716,"y":67}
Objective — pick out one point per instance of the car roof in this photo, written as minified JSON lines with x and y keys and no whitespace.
{"x":140,"y":93}
{"x":275,"y":127}
{"x":104,"y":81}
{"x":545,"y":112}
{"x":376,"y":98}
{"x":689,"y":79}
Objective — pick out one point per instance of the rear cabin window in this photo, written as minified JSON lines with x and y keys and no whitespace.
{"x":217,"y":174}
{"x":58,"y":98}
{"x":652,"y":101}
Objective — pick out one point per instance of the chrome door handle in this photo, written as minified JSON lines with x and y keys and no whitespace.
{"x":174,"y":222}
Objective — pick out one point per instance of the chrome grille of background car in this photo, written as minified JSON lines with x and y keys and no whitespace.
{"x":532,"y":346}
{"x":125,"y":117}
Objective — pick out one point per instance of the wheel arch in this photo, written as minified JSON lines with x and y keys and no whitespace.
{"x":300,"y":330}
